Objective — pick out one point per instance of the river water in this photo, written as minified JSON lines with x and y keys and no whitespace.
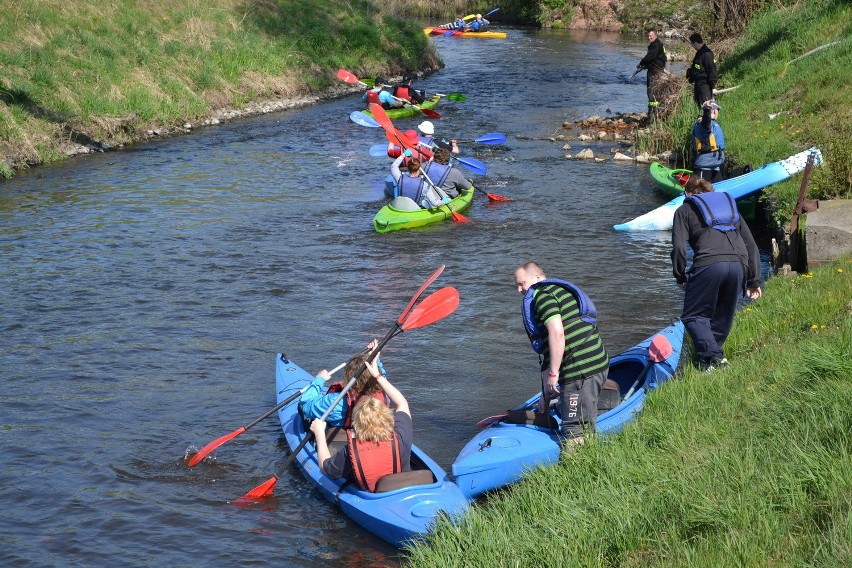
{"x":146,"y":292}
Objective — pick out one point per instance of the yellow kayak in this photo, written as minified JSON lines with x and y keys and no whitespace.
{"x":457,"y":33}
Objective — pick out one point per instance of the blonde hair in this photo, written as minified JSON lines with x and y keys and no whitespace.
{"x":365,"y":383}
{"x":372,"y":420}
{"x":532,"y":269}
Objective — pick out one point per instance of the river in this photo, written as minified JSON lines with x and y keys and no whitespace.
{"x":147,"y":291}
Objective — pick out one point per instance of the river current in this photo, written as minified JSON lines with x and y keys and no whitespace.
{"x":145,"y":293}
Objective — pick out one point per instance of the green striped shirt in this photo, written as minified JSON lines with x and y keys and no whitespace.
{"x":584,"y":351}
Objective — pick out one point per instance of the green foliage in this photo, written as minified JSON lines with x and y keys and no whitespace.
{"x":111,"y":68}
{"x":747,"y":466}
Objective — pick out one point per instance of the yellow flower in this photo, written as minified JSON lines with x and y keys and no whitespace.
{"x":748,"y":309}
{"x":840,"y":270}
{"x":808,"y":275}
{"x":814,"y":326}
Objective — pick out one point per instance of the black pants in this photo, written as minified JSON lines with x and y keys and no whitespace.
{"x":709,"y":306}
{"x":702,"y":93}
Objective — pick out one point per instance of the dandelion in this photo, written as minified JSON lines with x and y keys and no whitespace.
{"x":815,"y":326}
{"x":840,"y":270}
{"x":748,"y":309}
{"x":808,"y":275}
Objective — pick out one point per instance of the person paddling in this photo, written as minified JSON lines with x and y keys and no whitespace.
{"x":379,"y":443}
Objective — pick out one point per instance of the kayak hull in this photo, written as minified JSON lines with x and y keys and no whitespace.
{"x":397,"y":516}
{"x":457,"y":33}
{"x":502,"y":453}
{"x":410,"y":110}
{"x":391,"y":219}
{"x":667,"y":180}
{"x":660,"y":219}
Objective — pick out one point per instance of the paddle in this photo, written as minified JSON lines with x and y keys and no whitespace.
{"x":379,"y":150}
{"x":395,"y":136}
{"x":348,"y":77}
{"x":359,"y":117}
{"x":659,"y":350}
{"x":472,"y":164}
{"x":436,"y":306}
{"x":208,"y":449}
{"x":493,"y":196}
{"x":457,"y":217}
{"x":491,"y":138}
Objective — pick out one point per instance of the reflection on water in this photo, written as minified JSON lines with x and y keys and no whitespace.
{"x":146,"y":293}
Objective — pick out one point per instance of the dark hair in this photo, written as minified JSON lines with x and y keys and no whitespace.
{"x":381,"y":80}
{"x":407,"y":78}
{"x":696,"y":38}
{"x":441,"y":155}
{"x":413,"y":165}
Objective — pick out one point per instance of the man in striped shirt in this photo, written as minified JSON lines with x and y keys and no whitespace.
{"x":574,"y":363}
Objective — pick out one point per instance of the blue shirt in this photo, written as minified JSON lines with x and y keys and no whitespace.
{"x":384,"y":97}
{"x":314,"y":403}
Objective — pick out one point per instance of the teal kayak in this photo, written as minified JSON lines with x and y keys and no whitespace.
{"x":395,"y":216}
{"x":409,"y":110}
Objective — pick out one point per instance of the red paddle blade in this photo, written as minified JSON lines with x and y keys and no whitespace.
{"x":381,"y":116}
{"x":264,"y":489}
{"x":458,"y":217}
{"x":430,"y":113}
{"x":436,"y":306}
{"x":208,"y":449}
{"x":497,"y":198}
{"x":660,"y":348}
{"x":419,"y":292}
{"x":345,"y":75}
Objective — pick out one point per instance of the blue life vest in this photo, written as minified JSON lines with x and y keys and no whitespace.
{"x":437,"y":172}
{"x":411,"y":187}
{"x":718,"y":210}
{"x":537,"y":332}
{"x":707,"y":142}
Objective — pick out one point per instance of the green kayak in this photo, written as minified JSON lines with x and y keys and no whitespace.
{"x":668,"y":180}
{"x":411,"y":110}
{"x":396,"y":215}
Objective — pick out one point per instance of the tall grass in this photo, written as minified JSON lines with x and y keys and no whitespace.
{"x":110,"y":69}
{"x":745,"y":466}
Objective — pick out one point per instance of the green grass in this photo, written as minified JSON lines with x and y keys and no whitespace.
{"x":114,"y":69}
{"x":810,"y":97}
{"x":745,"y":466}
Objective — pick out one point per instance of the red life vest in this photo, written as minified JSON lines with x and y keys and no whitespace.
{"x":373,"y":97}
{"x":371,"y":460}
{"x":352,"y":400}
{"x":403,"y":92}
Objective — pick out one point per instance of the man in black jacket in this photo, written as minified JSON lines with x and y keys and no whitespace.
{"x":655,"y":62}
{"x":725,"y":262}
{"x":702,"y":73}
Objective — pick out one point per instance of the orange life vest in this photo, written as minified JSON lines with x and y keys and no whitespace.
{"x":373,"y":460}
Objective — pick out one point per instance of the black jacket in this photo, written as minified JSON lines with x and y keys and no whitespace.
{"x":655,"y":59}
{"x":709,"y":245}
{"x":703,"y":69}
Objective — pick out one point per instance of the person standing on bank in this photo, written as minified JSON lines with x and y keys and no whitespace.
{"x":655,"y":62}
{"x":725,"y":258}
{"x":702,"y":72}
{"x":560,"y":320}
{"x":708,"y":143}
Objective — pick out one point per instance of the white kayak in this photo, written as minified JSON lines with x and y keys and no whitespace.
{"x":660,"y":219}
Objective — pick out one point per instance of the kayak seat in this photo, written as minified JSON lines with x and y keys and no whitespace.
{"x":404,"y":479}
{"x":404,"y":204}
{"x":610,"y":396}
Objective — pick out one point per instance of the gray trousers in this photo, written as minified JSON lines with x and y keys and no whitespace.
{"x":578,"y":404}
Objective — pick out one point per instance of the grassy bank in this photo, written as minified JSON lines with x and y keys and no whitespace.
{"x":83,"y":70}
{"x":791,"y":67}
{"x":744,"y":466}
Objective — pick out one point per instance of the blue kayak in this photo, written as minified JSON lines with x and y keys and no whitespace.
{"x":396,"y":516}
{"x":660,"y":219}
{"x":502,"y":452}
